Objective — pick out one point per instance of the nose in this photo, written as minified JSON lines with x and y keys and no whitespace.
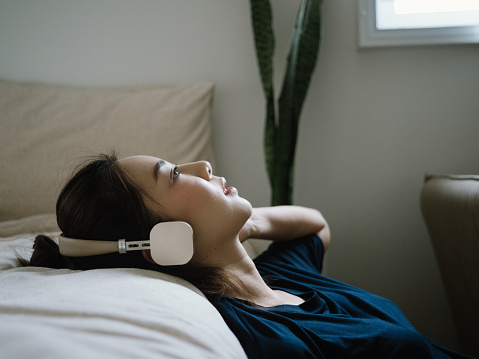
{"x":200,"y":169}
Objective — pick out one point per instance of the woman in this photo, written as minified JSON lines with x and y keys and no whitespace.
{"x":278,"y":305}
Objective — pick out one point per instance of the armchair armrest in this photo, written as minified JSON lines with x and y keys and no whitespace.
{"x":450,"y":208}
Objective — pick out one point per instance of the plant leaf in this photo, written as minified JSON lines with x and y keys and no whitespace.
{"x":270,"y":132}
{"x":264,"y":41}
{"x":301,"y":63}
{"x":262,"y":18}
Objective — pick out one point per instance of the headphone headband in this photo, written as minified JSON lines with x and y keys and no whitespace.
{"x":73,"y":247}
{"x":171,"y":243}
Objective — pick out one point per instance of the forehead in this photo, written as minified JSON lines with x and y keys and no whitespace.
{"x":140,"y":168}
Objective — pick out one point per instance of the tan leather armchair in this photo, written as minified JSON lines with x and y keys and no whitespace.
{"x":450,"y":208}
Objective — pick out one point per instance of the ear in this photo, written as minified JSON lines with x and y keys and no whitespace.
{"x":171,"y":243}
{"x":147,"y":255}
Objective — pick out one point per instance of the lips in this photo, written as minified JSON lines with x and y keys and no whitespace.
{"x":228,"y":190}
{"x":224,"y":185}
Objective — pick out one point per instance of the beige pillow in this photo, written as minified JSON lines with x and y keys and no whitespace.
{"x":45,"y":129}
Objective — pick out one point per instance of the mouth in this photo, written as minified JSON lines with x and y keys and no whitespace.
{"x":228,"y":190}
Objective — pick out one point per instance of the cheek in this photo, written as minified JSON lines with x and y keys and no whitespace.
{"x":185,"y":205}
{"x":202,"y":206}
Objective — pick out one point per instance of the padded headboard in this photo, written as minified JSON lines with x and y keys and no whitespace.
{"x":45,"y":129}
{"x":450,"y":207}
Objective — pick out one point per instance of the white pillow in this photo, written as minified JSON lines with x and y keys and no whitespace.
{"x":108,"y":313}
{"x":44,"y":128}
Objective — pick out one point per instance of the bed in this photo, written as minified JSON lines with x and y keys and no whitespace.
{"x":105,"y":313}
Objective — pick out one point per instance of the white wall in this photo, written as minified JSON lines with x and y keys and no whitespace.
{"x":374,"y":122}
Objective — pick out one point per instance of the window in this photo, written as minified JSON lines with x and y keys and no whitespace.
{"x":417,"y":22}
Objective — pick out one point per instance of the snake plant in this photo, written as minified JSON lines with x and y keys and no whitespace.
{"x":281,"y":125}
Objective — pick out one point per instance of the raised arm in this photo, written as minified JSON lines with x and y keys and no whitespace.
{"x":283,"y":223}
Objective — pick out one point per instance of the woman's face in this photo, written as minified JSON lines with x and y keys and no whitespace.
{"x":189,"y":193}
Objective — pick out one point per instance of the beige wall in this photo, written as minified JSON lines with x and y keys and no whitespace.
{"x":374,"y":122}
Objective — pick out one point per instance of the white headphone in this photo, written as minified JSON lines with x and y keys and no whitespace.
{"x":171,"y":243}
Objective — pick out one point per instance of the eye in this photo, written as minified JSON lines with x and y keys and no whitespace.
{"x":175,"y":173}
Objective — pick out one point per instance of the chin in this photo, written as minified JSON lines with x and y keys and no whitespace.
{"x":248,"y":208}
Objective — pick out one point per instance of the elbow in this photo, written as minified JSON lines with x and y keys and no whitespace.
{"x":324,"y":233}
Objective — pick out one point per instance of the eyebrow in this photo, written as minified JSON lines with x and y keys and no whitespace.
{"x":156,"y":170}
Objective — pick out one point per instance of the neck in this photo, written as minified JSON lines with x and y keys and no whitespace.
{"x":232,"y":258}
{"x":254,"y":289}
{"x":253,"y":286}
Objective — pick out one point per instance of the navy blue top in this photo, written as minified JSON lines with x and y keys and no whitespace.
{"x":336,"y":320}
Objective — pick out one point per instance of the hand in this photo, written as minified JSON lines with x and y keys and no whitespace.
{"x":284,"y":223}
{"x":245,"y":232}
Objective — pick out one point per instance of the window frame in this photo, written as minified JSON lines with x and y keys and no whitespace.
{"x":370,"y":36}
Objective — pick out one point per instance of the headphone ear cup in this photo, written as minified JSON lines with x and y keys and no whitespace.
{"x":171,"y":243}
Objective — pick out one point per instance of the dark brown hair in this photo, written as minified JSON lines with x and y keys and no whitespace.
{"x":101,"y":202}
